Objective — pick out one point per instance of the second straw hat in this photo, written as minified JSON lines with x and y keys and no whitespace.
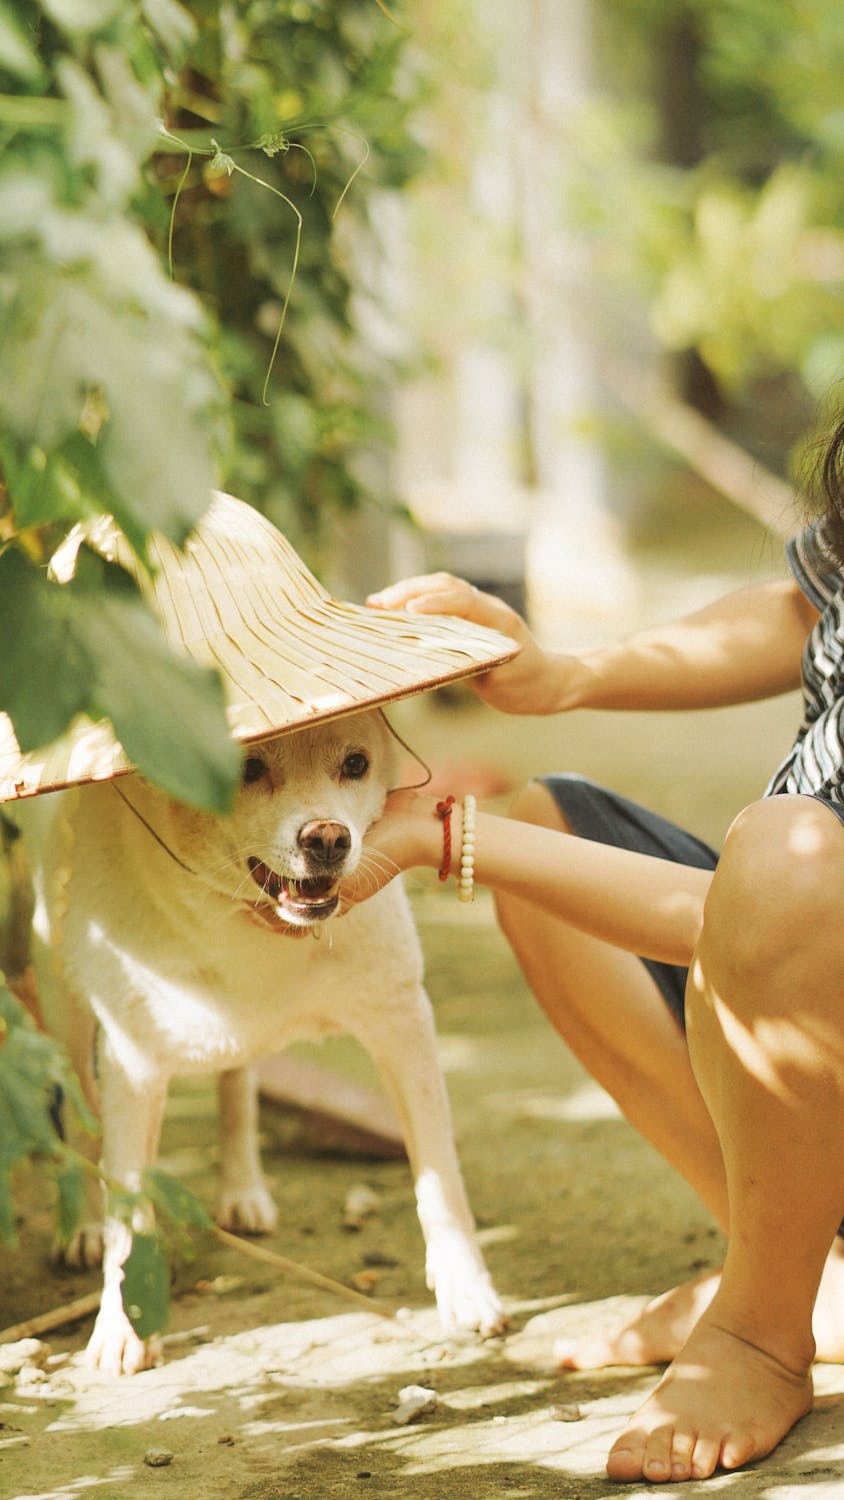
{"x":239,"y":598}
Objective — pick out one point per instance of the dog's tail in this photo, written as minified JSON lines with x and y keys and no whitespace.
{"x":17,"y":902}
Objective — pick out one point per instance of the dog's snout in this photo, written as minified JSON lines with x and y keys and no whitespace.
{"x":325,"y":840}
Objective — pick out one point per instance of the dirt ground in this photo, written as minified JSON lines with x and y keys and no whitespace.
{"x":270,"y":1388}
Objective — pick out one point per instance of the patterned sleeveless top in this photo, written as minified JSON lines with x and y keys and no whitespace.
{"x":815,"y":764}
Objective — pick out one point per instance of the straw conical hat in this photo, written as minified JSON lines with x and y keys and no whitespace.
{"x":240,"y":599}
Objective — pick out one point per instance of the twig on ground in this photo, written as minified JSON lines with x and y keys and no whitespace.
{"x":293,"y":1268}
{"x":48,"y":1322}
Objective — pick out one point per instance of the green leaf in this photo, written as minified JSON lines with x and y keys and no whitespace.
{"x":175,"y":1201}
{"x":81,"y":15}
{"x":70,"y":1182}
{"x":168,"y":713}
{"x":30,"y":1066}
{"x":45,"y":684}
{"x":114,"y":324}
{"x":95,"y":649}
{"x":175,"y":25}
{"x":16,"y":55}
{"x":7,"y":1208}
{"x":61,"y":484}
{"x":146,"y":1285}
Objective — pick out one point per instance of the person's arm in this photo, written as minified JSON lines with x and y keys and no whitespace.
{"x":745,"y":646}
{"x":648,"y":906}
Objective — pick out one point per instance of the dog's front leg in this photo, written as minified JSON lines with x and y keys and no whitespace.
{"x":404,"y":1049}
{"x":132,"y":1100}
{"x":245,"y":1203}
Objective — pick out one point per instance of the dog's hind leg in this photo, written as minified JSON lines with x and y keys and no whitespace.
{"x":404,"y":1049}
{"x":245,"y":1203}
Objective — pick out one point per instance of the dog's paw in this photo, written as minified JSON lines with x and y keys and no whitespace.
{"x":115,"y":1349}
{"x":472,"y":1307}
{"x":84,"y":1250}
{"x":247,"y":1211}
{"x":466,"y":1297}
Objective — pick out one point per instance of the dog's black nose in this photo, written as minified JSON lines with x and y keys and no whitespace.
{"x":326,"y":841}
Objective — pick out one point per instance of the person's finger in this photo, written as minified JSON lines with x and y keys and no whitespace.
{"x":396,"y":595}
{"x":440,"y":594}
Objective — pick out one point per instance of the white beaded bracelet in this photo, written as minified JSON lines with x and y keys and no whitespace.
{"x":466,"y":878}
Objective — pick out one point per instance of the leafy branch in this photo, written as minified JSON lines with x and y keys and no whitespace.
{"x":123,"y":392}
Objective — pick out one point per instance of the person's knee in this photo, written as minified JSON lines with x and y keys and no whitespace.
{"x":535,"y":803}
{"x":775,"y":899}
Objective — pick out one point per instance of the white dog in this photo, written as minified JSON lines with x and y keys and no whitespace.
{"x":170,"y":942}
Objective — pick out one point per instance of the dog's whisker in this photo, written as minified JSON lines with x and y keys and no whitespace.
{"x":374,"y":858}
{"x":367,"y":877}
{"x":236,"y":858}
{"x":241,"y":892}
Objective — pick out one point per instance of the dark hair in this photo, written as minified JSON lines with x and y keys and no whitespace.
{"x":831,"y":477}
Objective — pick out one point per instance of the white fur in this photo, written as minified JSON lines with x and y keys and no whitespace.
{"x":159,"y":973}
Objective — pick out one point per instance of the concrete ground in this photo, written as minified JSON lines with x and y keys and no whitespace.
{"x":272,"y":1389}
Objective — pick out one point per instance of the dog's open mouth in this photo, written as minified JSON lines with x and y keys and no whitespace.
{"x":310,"y":899}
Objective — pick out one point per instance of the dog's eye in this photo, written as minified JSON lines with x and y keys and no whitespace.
{"x":355,"y":766}
{"x":253,"y":769}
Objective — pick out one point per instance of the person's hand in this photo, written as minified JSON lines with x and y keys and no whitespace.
{"x":524,"y":685}
{"x":407,"y":834}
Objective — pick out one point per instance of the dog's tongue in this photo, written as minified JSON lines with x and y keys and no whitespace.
{"x":277,"y":887}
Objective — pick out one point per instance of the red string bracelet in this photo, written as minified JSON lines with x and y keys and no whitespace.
{"x":444,"y":813}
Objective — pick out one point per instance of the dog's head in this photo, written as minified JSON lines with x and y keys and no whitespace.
{"x":305,"y":802}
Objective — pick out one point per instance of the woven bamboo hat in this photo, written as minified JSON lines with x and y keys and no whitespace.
{"x":240,"y":599}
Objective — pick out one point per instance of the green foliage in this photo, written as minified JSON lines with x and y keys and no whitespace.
{"x":70,"y":1187}
{"x":101,"y":650}
{"x":146,"y":1271}
{"x":146,"y":1285}
{"x":735,"y":232}
{"x":32,"y":1068}
{"x":241,"y":149}
{"x":314,"y":101}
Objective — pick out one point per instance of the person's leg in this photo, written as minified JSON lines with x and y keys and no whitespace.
{"x":608,"y":1009}
{"x":605,"y":1004}
{"x":766,"y":1034}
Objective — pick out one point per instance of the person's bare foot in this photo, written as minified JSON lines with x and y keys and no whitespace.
{"x":653,"y":1336}
{"x":657,"y":1333}
{"x":723,"y":1403}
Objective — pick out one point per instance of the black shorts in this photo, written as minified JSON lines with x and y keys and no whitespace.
{"x":593,"y":812}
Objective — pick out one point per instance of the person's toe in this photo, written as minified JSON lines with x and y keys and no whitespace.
{"x":737,"y":1450}
{"x":626,"y":1456}
{"x":657,"y":1458}
{"x":596,"y":1351}
{"x":682,"y":1448}
{"x":704,"y":1459}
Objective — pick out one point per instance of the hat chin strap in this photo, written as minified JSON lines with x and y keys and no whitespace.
{"x":414,"y":786}
{"x":157,"y":836}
